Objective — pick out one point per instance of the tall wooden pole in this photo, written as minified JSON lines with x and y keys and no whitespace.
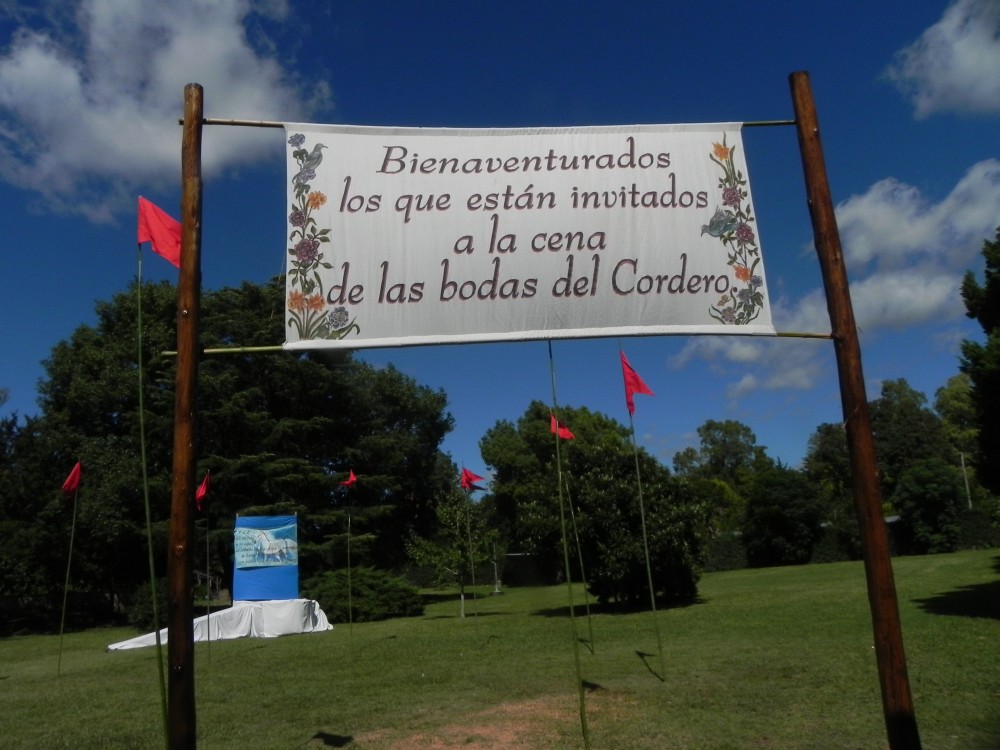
{"x":180,"y":566}
{"x":897,"y":703}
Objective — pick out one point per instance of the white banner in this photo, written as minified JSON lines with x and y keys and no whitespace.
{"x":401,"y":236}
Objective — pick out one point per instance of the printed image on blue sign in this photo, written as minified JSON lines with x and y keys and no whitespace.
{"x":266,"y":558}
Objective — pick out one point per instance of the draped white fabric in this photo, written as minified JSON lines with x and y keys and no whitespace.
{"x":247,"y":620}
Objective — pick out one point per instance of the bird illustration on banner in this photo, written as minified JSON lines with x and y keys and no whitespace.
{"x":308,"y":169}
{"x":722,"y":221}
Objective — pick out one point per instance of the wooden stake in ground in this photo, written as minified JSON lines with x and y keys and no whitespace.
{"x":180,"y":567}
{"x":897,"y":703}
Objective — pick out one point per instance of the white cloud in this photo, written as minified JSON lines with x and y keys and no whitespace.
{"x":953,"y":65}
{"x":777,"y":364}
{"x":906,"y":256}
{"x":894,"y":225}
{"x":806,"y":315}
{"x":725,"y":348}
{"x":910,"y":297}
{"x":87,"y":120}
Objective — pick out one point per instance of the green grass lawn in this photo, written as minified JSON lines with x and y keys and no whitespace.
{"x":774,"y":658}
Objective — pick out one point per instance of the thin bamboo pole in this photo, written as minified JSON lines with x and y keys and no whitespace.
{"x":69,"y":562}
{"x":581,"y":690}
{"x":154,"y":594}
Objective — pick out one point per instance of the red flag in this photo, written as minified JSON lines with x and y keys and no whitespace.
{"x":350,"y":480}
{"x":559,"y":428}
{"x":633,"y":384}
{"x":468,"y":480}
{"x":202,"y":490}
{"x":162,"y":230}
{"x":72,"y":482}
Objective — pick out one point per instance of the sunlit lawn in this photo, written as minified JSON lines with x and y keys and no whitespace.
{"x":774,"y":658}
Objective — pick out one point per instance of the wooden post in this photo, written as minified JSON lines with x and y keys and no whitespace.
{"x":897,"y":703}
{"x":180,"y":566}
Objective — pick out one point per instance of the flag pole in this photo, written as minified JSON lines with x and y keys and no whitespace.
{"x":472,"y":559}
{"x":579,"y":555}
{"x":145,"y":494}
{"x":69,"y":560}
{"x":208,"y":589}
{"x":645,"y":549}
{"x":348,"y":483}
{"x":350,"y":602}
{"x":645,"y":542}
{"x":569,"y":580}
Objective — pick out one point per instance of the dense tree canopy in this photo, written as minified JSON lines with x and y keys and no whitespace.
{"x":981,"y":362}
{"x":928,"y":498}
{"x":828,"y":466}
{"x":719,"y":471}
{"x":277,"y":430}
{"x":953,"y":404}
{"x":280,"y":431}
{"x":905,"y":431}
{"x":600,"y":504}
{"x":783,"y":517}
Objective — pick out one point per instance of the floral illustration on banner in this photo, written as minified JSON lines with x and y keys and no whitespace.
{"x":732,"y":223}
{"x":308,"y":309}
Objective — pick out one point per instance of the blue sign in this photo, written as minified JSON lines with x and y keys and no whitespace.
{"x":266,"y":558}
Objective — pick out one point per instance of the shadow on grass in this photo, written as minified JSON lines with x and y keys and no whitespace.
{"x":979,"y":600}
{"x":580,"y":610}
{"x":644,"y":657}
{"x":332,"y":740}
{"x":435,"y":598}
{"x":468,"y":615}
{"x":378,"y":641}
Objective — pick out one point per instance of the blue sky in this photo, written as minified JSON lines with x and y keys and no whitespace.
{"x":908,"y":96}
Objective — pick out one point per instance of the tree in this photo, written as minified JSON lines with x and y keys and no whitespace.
{"x":981,"y":362}
{"x":827,"y":465}
{"x":782,"y":519}
{"x":464,"y":543}
{"x":905,"y":431}
{"x":278,"y":431}
{"x":601,"y":494}
{"x":728,"y":453}
{"x":928,"y":497}
{"x":953,"y":404}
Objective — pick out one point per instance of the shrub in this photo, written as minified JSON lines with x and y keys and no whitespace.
{"x":724,"y":551}
{"x":374,"y":595}
{"x":928,"y":497}
{"x":782,"y":522}
{"x":140,"y":614}
{"x":977,"y":529}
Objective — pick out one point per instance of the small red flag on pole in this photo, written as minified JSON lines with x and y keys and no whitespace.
{"x":350,"y":480}
{"x":202,"y":490}
{"x":633,"y":384}
{"x":468,"y":480}
{"x":72,"y":482}
{"x":69,"y":489}
{"x":160,"y":229}
{"x":559,"y":428}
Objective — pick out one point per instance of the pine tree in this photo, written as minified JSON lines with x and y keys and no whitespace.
{"x":981,"y":362}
